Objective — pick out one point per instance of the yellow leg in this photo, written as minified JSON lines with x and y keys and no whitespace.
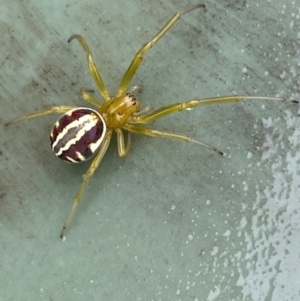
{"x":122,"y":149}
{"x":51,"y":110}
{"x":154,"y":133}
{"x":85,"y":94}
{"x":92,"y":66}
{"x":143,"y":50}
{"x":178,"y":107}
{"x":88,"y":175}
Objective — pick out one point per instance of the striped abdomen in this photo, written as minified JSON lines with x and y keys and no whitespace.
{"x":77,"y":135}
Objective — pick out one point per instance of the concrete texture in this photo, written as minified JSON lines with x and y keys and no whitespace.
{"x":172,"y":221}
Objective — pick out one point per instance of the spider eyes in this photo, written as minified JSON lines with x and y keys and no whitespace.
{"x":132,"y":98}
{"x":77,"y":135}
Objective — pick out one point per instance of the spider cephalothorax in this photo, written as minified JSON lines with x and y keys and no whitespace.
{"x":118,"y":110}
{"x":81,"y":133}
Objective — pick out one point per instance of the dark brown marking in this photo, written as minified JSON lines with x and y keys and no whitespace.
{"x":83,"y":144}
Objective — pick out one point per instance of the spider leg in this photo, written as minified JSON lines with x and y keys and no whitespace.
{"x":86,"y":178}
{"x":154,"y":133}
{"x":51,"y":110}
{"x":86,"y":95}
{"x":92,"y":66}
{"x":178,"y":107}
{"x":144,"y":49}
{"x":122,"y":148}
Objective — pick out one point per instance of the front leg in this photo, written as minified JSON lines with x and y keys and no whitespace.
{"x":147,"y":46}
{"x":178,"y":107}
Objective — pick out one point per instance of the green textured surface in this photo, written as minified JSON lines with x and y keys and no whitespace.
{"x":172,"y":221}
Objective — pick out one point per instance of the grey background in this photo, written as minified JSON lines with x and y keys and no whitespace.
{"x":172,"y":221}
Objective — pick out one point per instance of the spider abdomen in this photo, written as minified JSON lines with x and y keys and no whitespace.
{"x":77,"y":135}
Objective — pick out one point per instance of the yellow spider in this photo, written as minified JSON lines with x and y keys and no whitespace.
{"x":80,"y":133}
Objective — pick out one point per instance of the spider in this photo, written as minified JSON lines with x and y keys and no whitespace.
{"x":82,"y":133}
